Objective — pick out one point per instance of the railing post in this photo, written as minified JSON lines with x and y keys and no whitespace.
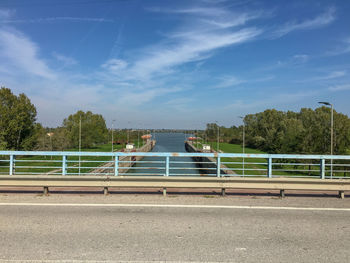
{"x":322,"y":168}
{"x":116,"y":165}
{"x":12,"y":157}
{"x":218,"y":167}
{"x":167,"y":166}
{"x":269,"y":168}
{"x":64,"y":165}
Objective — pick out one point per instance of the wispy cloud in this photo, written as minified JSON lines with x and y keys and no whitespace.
{"x":5,"y":14}
{"x":301,"y":58}
{"x":22,"y":54}
{"x":200,"y":11}
{"x":270,"y":101}
{"x":114,"y":65}
{"x":57,"y":19}
{"x":136,"y":98}
{"x":340,"y":87}
{"x":228,"y":82}
{"x":332,"y":75}
{"x":204,"y":31}
{"x":66,"y":61}
{"x":342,"y":49}
{"x":319,"y":21}
{"x":193,"y":47}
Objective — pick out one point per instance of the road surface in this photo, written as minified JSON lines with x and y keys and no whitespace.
{"x":150,"y":228}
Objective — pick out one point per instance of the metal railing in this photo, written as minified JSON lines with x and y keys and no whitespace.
{"x":174,"y":164}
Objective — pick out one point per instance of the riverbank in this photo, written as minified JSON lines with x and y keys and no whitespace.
{"x":126,"y":162}
{"x":207,"y":162}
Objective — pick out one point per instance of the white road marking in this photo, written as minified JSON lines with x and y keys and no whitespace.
{"x":93,"y":261}
{"x":180,"y":206}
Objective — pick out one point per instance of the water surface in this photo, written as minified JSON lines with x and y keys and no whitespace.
{"x":166,"y":142}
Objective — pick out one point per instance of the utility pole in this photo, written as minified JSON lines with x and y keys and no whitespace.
{"x":112,"y":135}
{"x":128,"y":131}
{"x":138,"y":138}
{"x":332,"y":125}
{"x":218,"y":139}
{"x":79,"y":141}
{"x":243,"y":141}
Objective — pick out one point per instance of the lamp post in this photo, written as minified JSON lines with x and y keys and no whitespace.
{"x":330,"y":104}
{"x":243,"y":140}
{"x":128,"y":132}
{"x":138,"y":138}
{"x":79,"y":141}
{"x":218,"y":137}
{"x":112,"y":135}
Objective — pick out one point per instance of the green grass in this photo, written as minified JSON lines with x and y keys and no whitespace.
{"x":46,"y":164}
{"x":257,"y":163}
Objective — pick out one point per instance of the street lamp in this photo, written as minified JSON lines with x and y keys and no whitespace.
{"x":112,"y":134}
{"x":138,"y":138}
{"x":243,"y":140}
{"x":218,"y":135}
{"x":329,"y":104}
{"x":79,"y":141}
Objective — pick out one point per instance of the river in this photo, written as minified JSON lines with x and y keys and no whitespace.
{"x":166,"y":142}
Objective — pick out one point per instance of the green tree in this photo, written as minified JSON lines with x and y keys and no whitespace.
{"x":93,"y":129}
{"x":18,"y":129}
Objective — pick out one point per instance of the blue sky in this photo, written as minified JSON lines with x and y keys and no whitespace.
{"x":175,"y":64}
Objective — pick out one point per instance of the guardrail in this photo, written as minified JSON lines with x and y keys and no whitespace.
{"x":174,"y":164}
{"x":175,"y":170}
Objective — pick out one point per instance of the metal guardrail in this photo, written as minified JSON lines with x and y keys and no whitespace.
{"x":164,"y":183}
{"x":174,"y":164}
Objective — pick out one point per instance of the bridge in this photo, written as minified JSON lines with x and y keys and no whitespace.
{"x":175,"y":170}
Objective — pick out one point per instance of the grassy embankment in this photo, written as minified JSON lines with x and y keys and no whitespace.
{"x":250,"y":164}
{"x":46,"y":164}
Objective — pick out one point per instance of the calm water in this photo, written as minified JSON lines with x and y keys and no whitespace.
{"x":166,"y":142}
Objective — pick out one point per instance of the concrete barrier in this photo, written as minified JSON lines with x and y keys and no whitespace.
{"x":206,"y":162}
{"x":125,"y":162}
{"x":165,"y":182}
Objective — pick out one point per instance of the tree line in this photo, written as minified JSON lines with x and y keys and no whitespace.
{"x":19,"y":129}
{"x":305,"y":132}
{"x":272,"y":131}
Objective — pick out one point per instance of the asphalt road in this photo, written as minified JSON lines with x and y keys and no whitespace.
{"x":109,"y":232}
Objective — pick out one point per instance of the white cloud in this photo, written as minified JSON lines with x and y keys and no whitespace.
{"x":5,"y":14}
{"x":271,"y":100}
{"x":301,"y":58}
{"x":179,"y":101}
{"x":67,"y":61}
{"x":57,"y":19}
{"x":333,"y":75}
{"x":319,"y":21}
{"x":228,"y":82}
{"x":199,"y":11}
{"x":139,"y":97}
{"x":343,"y":49}
{"x":193,"y":47}
{"x":114,"y":65}
{"x":330,"y":76}
{"x":21,"y":53}
{"x":340,"y":87}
